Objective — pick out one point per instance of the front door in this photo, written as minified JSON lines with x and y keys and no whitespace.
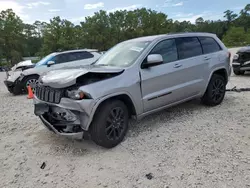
{"x":178,"y":78}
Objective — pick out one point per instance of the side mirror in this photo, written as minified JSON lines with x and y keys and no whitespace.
{"x":49,"y":63}
{"x":153,"y":60}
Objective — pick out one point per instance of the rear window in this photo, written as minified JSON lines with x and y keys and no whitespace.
{"x":209,"y":45}
{"x":188,"y":47}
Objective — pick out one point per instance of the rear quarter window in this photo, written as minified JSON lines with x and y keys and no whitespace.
{"x":75,"y":56}
{"x":209,"y":45}
{"x":188,"y":47}
{"x":84,"y":55}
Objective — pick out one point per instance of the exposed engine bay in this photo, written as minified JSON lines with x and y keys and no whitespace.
{"x":53,"y":95}
{"x":64,"y":78}
{"x":241,"y":61}
{"x":93,"y":77}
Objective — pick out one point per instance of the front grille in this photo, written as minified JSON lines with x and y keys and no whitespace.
{"x":48,"y":94}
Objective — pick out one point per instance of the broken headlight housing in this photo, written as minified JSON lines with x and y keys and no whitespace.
{"x":236,"y":57}
{"x":21,"y":76}
{"x":77,"y":94}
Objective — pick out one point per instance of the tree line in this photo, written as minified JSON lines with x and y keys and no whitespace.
{"x":103,"y":30}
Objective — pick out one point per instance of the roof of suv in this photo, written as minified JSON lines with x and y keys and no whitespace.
{"x":79,"y":50}
{"x":187,"y":34}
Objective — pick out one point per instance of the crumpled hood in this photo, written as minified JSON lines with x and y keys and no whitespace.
{"x":244,"y":49}
{"x":67,"y":77}
{"x":21,"y":64}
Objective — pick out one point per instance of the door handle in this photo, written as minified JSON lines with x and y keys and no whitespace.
{"x":177,"y":65}
{"x":207,"y":58}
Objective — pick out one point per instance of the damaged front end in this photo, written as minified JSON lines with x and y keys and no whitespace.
{"x":241,"y":60}
{"x":62,"y":106}
{"x":61,"y":121}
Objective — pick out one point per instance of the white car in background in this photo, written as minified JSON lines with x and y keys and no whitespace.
{"x":23,"y":65}
{"x":17,"y":81}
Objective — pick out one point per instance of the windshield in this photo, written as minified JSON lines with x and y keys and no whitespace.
{"x":45,"y":59}
{"x":123,"y":54}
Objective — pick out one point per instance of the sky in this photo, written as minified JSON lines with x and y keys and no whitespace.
{"x":77,"y":10}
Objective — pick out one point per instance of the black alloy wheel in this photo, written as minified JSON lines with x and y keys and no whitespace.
{"x":115,"y":124}
{"x":215,"y":92}
{"x":218,"y":90}
{"x":110,"y":123}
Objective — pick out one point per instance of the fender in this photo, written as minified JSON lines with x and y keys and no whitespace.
{"x":211,"y":73}
{"x":99,"y":101}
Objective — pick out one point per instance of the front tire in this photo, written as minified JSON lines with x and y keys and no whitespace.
{"x":110,"y":124}
{"x":30,"y":81}
{"x":215,"y":92}
{"x":238,"y":72}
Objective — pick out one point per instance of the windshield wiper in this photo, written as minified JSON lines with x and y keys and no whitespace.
{"x":94,"y":62}
{"x":102,"y":65}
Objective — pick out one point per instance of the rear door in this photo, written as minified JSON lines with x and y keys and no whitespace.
{"x":178,"y":78}
{"x":213,"y":54}
{"x":191,"y":59}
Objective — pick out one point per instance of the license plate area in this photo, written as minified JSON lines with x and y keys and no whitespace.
{"x":41,"y":109}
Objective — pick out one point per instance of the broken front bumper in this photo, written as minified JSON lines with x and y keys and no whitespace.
{"x":68,"y":118}
{"x":9,"y":84}
{"x":75,"y":135}
{"x":241,"y":66}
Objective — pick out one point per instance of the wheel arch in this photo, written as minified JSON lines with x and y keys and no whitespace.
{"x":220,"y":71}
{"x":30,"y":75}
{"x":26,"y":77}
{"x":123,"y":96}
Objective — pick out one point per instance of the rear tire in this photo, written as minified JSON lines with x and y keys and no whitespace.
{"x":238,"y":72}
{"x":215,"y":92}
{"x":110,"y":124}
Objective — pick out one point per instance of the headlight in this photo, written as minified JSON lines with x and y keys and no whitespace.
{"x":77,"y":94}
{"x":21,"y":76}
{"x":236,"y":56}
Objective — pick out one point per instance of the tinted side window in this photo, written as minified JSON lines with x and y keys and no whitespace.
{"x":188,"y":47}
{"x":74,"y":56}
{"x":167,"y":49}
{"x":61,"y":58}
{"x":85,"y":55}
{"x":209,"y":45}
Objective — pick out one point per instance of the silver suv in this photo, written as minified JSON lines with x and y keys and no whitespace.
{"x":133,"y":79}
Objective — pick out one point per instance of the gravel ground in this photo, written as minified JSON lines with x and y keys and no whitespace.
{"x":185,"y":146}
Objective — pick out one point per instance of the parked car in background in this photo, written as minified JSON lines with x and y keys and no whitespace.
{"x":241,"y":61}
{"x":2,"y":69}
{"x":103,"y":52}
{"x":18,"y":81}
{"x":23,"y":65}
{"x":133,"y":79}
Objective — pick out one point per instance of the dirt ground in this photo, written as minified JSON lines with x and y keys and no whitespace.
{"x":185,"y":146}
